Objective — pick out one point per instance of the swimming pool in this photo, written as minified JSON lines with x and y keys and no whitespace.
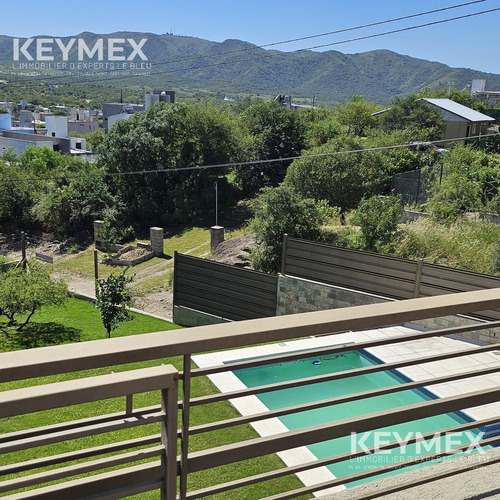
{"x":281,"y":372}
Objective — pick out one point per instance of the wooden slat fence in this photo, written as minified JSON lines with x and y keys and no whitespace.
{"x":380,"y":274}
{"x":223,"y":290}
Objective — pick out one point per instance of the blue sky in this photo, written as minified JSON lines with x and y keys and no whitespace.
{"x":468,"y":43}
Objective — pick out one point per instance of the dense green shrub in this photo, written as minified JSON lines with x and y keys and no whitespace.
{"x":341,"y":179}
{"x":279,"y":211}
{"x":378,"y":219}
{"x":453,"y":197}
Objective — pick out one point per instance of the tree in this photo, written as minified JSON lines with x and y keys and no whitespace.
{"x":356,"y":115}
{"x":24,"y":291}
{"x":279,"y":211}
{"x":274,"y":131}
{"x":412,"y":113}
{"x":16,"y":196}
{"x":96,"y":138}
{"x":341,"y":179}
{"x":68,"y":205}
{"x":453,"y":197}
{"x":164,"y":137}
{"x":378,"y":219}
{"x":112,"y":299}
{"x":321,"y":126}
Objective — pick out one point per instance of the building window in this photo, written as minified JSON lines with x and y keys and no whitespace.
{"x":474,"y":129}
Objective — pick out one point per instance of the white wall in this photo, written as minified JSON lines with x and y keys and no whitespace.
{"x":113,"y":119}
{"x":57,"y":125}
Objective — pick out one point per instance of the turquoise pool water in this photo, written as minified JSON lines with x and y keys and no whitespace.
{"x":317,"y":366}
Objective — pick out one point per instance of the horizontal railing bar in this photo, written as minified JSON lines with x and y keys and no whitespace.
{"x":128,"y":491}
{"x":72,"y":392}
{"x":142,"y":478}
{"x":38,"y":431}
{"x":78,"y":455}
{"x":44,"y":361}
{"x":82,"y":468}
{"x":262,"y":361}
{"x":213,"y":398}
{"x":223,"y":424}
{"x":57,"y":437}
{"x":379,"y":470}
{"x":253,"y":448}
{"x":266,"y":476}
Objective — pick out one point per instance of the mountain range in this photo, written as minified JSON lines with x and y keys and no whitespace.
{"x":238,"y":68}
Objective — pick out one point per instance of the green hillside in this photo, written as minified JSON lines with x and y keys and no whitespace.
{"x":238,"y":68}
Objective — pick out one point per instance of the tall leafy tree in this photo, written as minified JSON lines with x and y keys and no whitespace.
{"x":273,"y":131}
{"x":162,"y":138}
{"x":356,"y":115}
{"x":342,"y":179}
{"x":411,"y":113}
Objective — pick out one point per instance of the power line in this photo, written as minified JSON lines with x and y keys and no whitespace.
{"x":343,"y":30}
{"x":246,"y":163}
{"x":221,"y":63}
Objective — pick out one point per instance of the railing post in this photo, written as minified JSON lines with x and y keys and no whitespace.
{"x":418,"y":278}
{"x":129,"y":404}
{"x":169,"y":441}
{"x":174,"y":295}
{"x":283,"y":255}
{"x":186,"y":397}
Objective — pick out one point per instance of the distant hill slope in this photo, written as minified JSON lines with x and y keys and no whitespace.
{"x":331,"y":76}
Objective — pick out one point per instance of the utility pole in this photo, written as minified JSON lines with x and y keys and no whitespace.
{"x":314,"y":98}
{"x":449,"y":88}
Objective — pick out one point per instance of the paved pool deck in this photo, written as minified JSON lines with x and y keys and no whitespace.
{"x":405,"y":350}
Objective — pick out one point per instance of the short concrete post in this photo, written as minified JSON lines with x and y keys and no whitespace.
{"x":216,"y":236}
{"x":156,"y":237}
{"x":97,"y":237}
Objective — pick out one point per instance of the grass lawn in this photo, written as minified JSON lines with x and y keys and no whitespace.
{"x":194,"y":241}
{"x":79,"y":321}
{"x":76,"y":321}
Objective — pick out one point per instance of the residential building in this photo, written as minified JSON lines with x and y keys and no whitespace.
{"x":81,"y":122}
{"x":118,"y":111}
{"x":113,"y":112}
{"x":55,"y":136}
{"x":478,"y":89}
{"x":461,"y":121}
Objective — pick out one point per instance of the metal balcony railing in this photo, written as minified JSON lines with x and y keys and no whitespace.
{"x":168,"y":459}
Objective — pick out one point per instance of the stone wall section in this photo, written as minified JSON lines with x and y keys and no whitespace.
{"x":297,"y":295}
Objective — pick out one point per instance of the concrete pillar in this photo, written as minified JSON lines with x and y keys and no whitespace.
{"x":97,"y":237}
{"x":216,"y":236}
{"x":156,"y":237}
